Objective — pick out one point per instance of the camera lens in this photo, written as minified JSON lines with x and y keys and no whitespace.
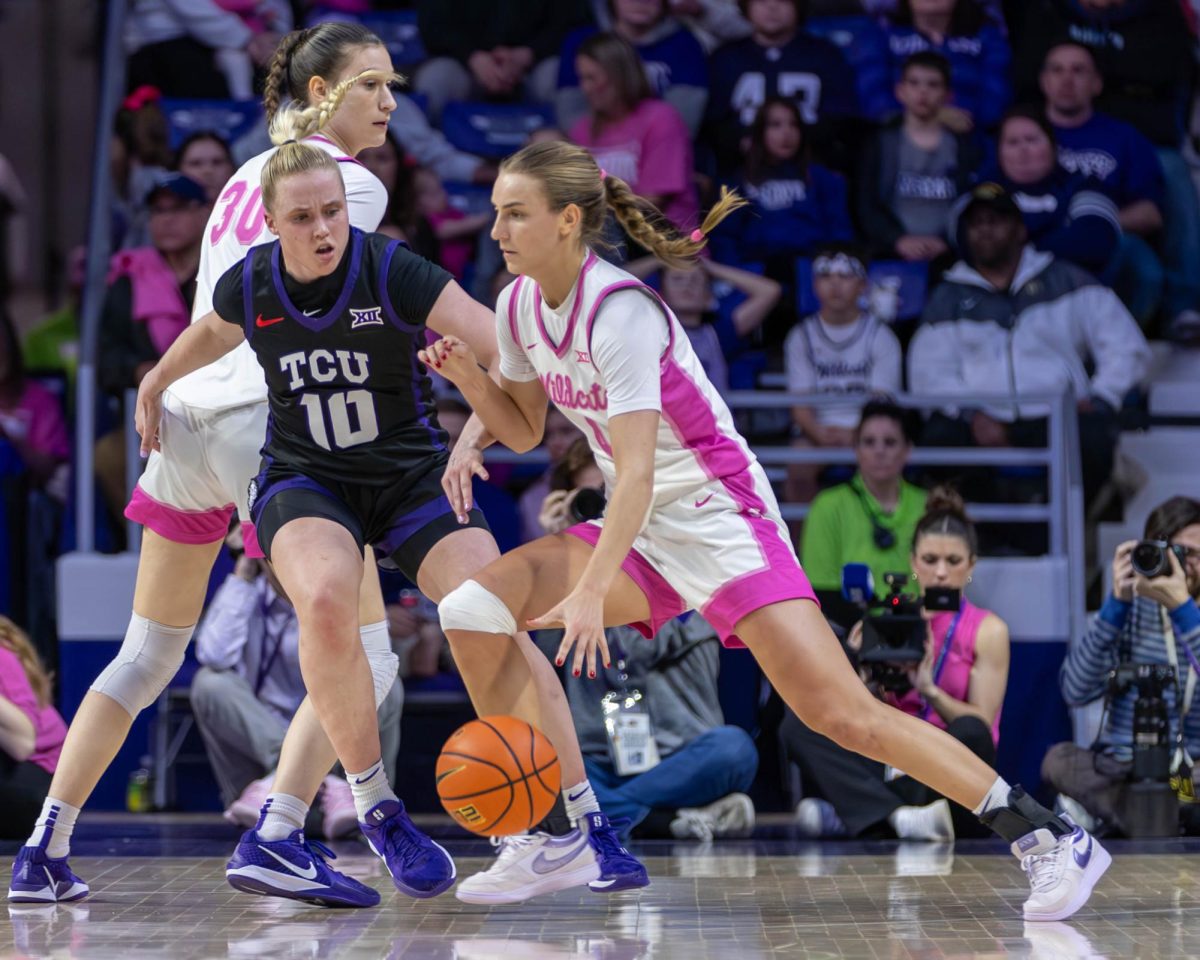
{"x":587,"y":504}
{"x":1149,"y":559}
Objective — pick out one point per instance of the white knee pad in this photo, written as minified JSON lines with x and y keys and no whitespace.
{"x":149,"y":657}
{"x":377,"y":644}
{"x":474,"y":607}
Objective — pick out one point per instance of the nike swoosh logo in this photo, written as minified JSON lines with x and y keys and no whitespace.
{"x":1082,"y":861}
{"x":365,"y":779}
{"x":309,"y":874}
{"x":575,"y":796}
{"x":601,"y":884}
{"x":542,"y":864}
{"x":260,"y":322}
{"x":700,"y":503}
{"x":530,"y":346}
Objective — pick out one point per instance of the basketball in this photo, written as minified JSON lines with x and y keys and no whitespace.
{"x":498,"y":776}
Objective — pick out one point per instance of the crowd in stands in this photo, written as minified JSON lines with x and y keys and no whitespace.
{"x":945,"y":197}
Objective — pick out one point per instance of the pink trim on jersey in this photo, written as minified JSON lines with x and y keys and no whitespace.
{"x":627,"y":285}
{"x":512,"y":311}
{"x":665,"y":603}
{"x":250,"y":541}
{"x":560,"y":349}
{"x":691,"y":417}
{"x":344,"y":158}
{"x":180,"y":526}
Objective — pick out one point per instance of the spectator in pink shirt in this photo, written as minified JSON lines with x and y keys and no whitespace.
{"x":31,"y":418}
{"x":640,"y":139}
{"x":31,"y":732}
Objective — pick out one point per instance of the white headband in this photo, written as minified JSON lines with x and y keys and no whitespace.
{"x":839,"y":264}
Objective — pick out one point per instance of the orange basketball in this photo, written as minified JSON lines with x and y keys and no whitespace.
{"x":498,"y":776}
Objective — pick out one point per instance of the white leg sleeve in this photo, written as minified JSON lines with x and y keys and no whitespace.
{"x":474,"y":607}
{"x":149,"y":657}
{"x":377,"y":643}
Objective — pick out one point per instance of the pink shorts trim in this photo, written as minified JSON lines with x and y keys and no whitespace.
{"x":250,"y":541}
{"x":753,"y":592}
{"x":181,"y":526}
{"x":665,"y":603}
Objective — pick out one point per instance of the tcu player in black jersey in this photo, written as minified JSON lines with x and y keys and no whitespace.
{"x":354,"y":456}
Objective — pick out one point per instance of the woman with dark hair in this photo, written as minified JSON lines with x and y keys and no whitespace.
{"x":795,"y":203}
{"x":871,"y":517}
{"x":1066,"y":214}
{"x":401,"y":220}
{"x":31,"y":420}
{"x":958,"y":686}
{"x":632,"y":134}
{"x":974,"y":44}
{"x":206,"y":158}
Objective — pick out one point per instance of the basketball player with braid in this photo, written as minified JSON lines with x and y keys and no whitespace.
{"x":692,"y":521}
{"x":336,"y":77}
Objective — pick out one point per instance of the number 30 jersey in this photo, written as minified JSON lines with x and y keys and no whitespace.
{"x":349,"y":400}
{"x":235,"y":225}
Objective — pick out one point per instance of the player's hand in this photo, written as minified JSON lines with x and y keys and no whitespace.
{"x":453,"y":359}
{"x":465,"y":463}
{"x":1170,"y":590}
{"x":581,"y":615}
{"x":1123,"y":577}
{"x":148,"y":414}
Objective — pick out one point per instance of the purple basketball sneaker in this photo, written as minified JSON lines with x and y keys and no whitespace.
{"x":419,"y":867}
{"x":294,"y":868}
{"x":619,"y":869}
{"x":38,"y":877}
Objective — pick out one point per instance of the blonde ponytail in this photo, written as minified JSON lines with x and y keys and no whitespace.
{"x":644,"y":222}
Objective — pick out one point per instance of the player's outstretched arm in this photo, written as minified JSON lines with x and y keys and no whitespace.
{"x":206,"y":340}
{"x":513,"y":412}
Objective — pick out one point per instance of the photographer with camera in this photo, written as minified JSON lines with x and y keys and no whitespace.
{"x":944,"y":660}
{"x":1142,"y":653}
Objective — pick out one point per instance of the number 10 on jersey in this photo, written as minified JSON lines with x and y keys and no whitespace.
{"x":339,"y":410}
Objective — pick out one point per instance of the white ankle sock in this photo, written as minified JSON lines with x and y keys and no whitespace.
{"x":997,"y":796}
{"x":285,"y":813}
{"x":930,"y":822}
{"x":58,"y":819}
{"x":580,"y":801}
{"x":370,"y":788}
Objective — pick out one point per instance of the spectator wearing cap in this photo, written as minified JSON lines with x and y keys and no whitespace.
{"x":1012,"y":320}
{"x":841,"y":350}
{"x":1066,"y":214}
{"x":673,"y":58}
{"x":1124,"y":161}
{"x":147,"y":305}
{"x":494,"y":51}
{"x":913,"y":170}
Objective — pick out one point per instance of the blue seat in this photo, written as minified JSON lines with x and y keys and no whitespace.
{"x":493,"y":129}
{"x":910,"y":280}
{"x":468,"y":198}
{"x":398,"y":31}
{"x":229,"y":118}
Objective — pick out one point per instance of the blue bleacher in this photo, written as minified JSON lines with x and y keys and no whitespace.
{"x":493,"y":130}
{"x":229,"y":118}
{"x":398,"y":31}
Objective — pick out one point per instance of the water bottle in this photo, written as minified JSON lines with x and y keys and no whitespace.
{"x":139,"y":795}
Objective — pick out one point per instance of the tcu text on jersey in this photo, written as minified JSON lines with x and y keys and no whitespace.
{"x":350,"y":416}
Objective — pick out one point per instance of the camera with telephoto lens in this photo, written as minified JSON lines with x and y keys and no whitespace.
{"x":894,"y":631}
{"x":587,"y":504}
{"x":1151,"y":807}
{"x":1149,"y":558}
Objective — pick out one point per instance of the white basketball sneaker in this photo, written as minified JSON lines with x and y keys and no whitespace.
{"x":1062,"y":871}
{"x":529,"y":865}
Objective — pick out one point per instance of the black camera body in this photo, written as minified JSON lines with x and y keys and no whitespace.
{"x":587,"y":504}
{"x":1150,"y":807}
{"x":894,"y":631}
{"x":1149,"y":558}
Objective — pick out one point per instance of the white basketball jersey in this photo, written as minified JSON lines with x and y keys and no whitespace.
{"x":697,"y":441}
{"x":235,"y":225}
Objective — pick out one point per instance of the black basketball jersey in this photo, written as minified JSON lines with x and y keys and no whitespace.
{"x":349,"y":399}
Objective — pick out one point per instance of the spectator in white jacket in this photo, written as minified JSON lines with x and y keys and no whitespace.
{"x":1010,"y":320}
{"x":249,"y":686}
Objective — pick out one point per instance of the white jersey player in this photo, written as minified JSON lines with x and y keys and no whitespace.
{"x":691,"y":522}
{"x":337,"y":76}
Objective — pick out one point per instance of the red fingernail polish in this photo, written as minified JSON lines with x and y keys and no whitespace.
{"x":592,"y":674}
{"x":576,"y":673}
{"x":558,"y":663}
